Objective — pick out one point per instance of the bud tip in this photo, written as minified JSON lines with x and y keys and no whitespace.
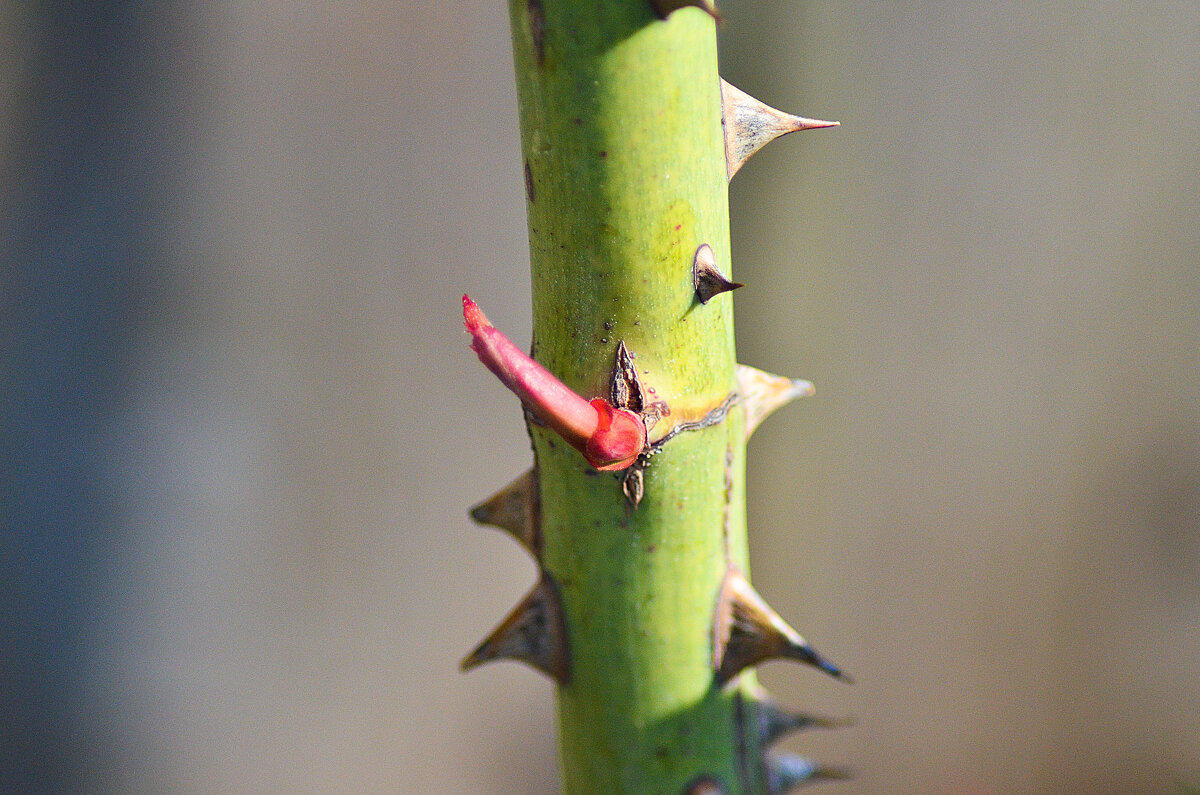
{"x":472,"y":315}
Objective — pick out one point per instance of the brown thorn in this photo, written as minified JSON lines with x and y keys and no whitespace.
{"x":787,"y":771}
{"x":763,"y":392}
{"x":625,"y":388}
{"x":533,"y":633}
{"x":633,"y":484}
{"x":664,"y":7}
{"x":747,"y":631}
{"x":516,"y":509}
{"x":750,"y":125}
{"x":707,"y":278}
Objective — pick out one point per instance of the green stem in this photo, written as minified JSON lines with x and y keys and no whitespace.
{"x":626,"y":177}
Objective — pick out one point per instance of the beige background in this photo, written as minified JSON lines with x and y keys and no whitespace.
{"x":989,"y":514}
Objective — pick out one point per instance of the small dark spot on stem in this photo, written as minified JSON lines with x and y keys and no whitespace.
{"x":608,"y":325}
{"x":604,"y":340}
{"x":537,"y":29}
{"x":603,"y":154}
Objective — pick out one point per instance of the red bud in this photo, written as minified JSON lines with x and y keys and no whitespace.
{"x":609,"y":438}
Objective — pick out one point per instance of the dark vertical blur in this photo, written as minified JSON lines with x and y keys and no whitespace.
{"x":83,"y":194}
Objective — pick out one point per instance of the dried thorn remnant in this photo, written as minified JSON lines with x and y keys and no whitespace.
{"x":610,"y":438}
{"x":747,"y":631}
{"x":707,"y":278}
{"x":788,"y":771}
{"x":515,"y":509}
{"x":534,"y":633}
{"x":763,"y":392}
{"x":626,"y":392}
{"x":633,"y":485}
{"x":664,"y":7}
{"x":775,"y":722}
{"x":750,"y":125}
{"x":624,"y":386}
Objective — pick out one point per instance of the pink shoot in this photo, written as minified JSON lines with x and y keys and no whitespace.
{"x":610,"y":438}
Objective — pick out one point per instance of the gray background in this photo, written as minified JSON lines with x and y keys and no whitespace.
{"x":241,"y":426}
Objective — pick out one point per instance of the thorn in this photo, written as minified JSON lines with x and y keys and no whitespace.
{"x":750,"y":125}
{"x":764,"y":392}
{"x":775,"y":722}
{"x":707,"y":278}
{"x":747,"y":631}
{"x":610,"y":438}
{"x":664,"y":7}
{"x":633,"y":486}
{"x":533,"y":633}
{"x":786,"y":771}
{"x":516,"y":509}
{"x":624,"y":386}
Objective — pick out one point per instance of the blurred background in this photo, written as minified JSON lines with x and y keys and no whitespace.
{"x":242,"y":428}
